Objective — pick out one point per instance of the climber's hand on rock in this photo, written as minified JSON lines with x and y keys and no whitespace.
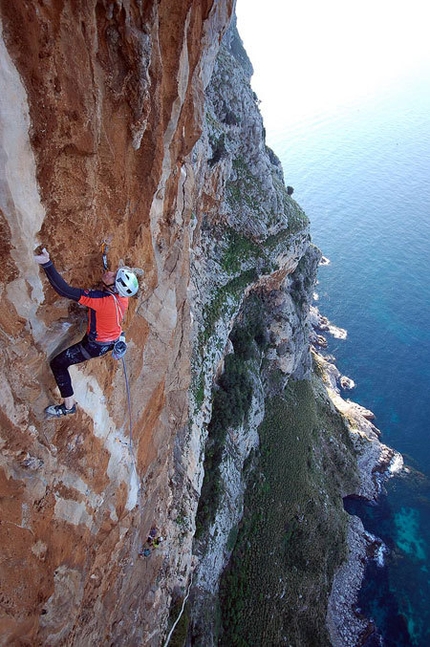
{"x":43,"y":257}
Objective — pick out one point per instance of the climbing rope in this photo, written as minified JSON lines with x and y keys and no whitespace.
{"x":104,"y":251}
{"x":127,"y":388}
{"x":184,"y":601}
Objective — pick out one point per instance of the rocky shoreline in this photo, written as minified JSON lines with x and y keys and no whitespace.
{"x":347,"y":626}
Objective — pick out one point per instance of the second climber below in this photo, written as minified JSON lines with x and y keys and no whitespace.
{"x":106,"y":311}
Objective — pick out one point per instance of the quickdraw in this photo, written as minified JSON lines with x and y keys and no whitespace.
{"x":104,"y":250}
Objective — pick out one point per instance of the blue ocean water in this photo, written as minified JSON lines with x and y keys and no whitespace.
{"x":363,"y":177}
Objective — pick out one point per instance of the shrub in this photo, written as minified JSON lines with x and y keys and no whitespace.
{"x":230,"y":406}
{"x":292,"y":535}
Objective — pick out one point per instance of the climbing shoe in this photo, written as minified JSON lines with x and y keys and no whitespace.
{"x":58,"y":410}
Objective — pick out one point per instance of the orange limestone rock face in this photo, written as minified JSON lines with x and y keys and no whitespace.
{"x":101,"y":104}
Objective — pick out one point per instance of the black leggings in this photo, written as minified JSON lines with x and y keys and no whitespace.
{"x":75,"y":354}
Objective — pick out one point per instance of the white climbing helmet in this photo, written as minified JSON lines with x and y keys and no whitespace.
{"x":126,"y":282}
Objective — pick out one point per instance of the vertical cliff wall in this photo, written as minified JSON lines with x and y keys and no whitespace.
{"x":101,"y":104}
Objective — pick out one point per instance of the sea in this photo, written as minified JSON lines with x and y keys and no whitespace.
{"x":362,"y":175}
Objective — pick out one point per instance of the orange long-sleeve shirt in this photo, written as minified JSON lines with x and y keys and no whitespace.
{"x":105,"y":310}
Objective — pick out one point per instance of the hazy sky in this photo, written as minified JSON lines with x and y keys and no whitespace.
{"x":311,"y":56}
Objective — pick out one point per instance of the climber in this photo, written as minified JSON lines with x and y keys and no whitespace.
{"x":107,"y":308}
{"x":154,"y":539}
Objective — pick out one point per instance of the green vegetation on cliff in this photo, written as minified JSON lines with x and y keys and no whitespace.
{"x":293,"y":533}
{"x":230,"y":405}
{"x":245,"y":191}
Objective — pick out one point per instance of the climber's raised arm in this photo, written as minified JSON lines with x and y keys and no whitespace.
{"x":55,"y":279}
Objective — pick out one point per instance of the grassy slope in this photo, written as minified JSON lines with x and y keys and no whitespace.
{"x":292,"y":537}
